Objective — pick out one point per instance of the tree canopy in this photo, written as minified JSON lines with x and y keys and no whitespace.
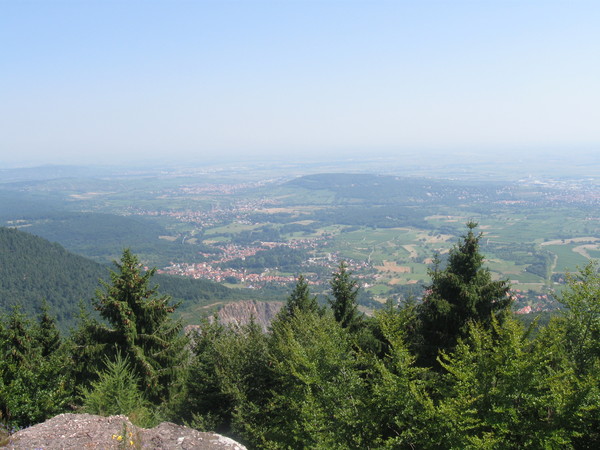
{"x":345,"y":291}
{"x":460,"y":293}
{"x":311,"y":381}
{"x":139,"y":326}
{"x":300,"y":298}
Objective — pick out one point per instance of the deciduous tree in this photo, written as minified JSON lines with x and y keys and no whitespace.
{"x":581,"y":317}
{"x":505,"y":390}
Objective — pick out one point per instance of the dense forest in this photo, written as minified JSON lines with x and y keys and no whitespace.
{"x":34,"y":272}
{"x":453,"y":371}
{"x":349,"y":189}
{"x":103,"y":236}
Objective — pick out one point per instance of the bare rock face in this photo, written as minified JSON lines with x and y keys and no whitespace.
{"x":240,"y":313}
{"x":86,"y":431}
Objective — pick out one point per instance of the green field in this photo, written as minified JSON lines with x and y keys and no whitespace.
{"x":568,"y":260}
{"x":390,"y":227}
{"x":232,"y":228}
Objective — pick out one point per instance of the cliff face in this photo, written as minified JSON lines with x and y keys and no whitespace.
{"x":240,"y":313}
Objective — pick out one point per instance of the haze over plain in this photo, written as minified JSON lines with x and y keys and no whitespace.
{"x":119,"y":82}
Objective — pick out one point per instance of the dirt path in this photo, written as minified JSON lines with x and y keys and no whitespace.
{"x":570,"y":241}
{"x":410,"y":248}
{"x":554,"y":263}
{"x":582,"y":250}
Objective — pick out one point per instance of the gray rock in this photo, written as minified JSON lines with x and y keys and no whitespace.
{"x":86,"y":431}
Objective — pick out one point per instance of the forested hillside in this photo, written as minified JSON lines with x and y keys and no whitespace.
{"x":34,"y":270}
{"x":96,"y":235}
{"x":391,"y":190}
{"x":453,"y":371}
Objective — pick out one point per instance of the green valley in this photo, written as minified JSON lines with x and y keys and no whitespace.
{"x":259,"y":229}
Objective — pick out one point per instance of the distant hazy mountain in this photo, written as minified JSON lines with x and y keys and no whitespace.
{"x":50,"y":172}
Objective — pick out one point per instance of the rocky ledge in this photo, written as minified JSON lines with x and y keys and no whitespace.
{"x":86,"y":431}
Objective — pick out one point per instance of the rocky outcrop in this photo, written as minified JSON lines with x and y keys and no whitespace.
{"x":86,"y":431}
{"x":240,"y":313}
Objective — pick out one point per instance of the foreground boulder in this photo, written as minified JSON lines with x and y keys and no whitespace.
{"x":86,"y":431}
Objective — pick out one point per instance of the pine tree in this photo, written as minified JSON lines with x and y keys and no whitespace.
{"x":46,"y":331}
{"x":117,"y":391}
{"x":33,"y":376}
{"x":344,"y":302}
{"x":460,"y":293}
{"x":300,"y":299}
{"x":139,"y":326}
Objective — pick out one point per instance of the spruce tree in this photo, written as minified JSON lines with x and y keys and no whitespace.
{"x":46,"y":331}
{"x":138,"y":324}
{"x":344,"y":302}
{"x":17,"y":338}
{"x":33,"y":372}
{"x":460,"y":293}
{"x":300,"y":299}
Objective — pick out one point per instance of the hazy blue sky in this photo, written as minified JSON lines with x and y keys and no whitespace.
{"x":116,"y":80}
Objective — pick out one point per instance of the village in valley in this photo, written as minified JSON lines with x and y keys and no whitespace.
{"x":383,"y":260}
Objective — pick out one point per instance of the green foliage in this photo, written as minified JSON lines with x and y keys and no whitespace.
{"x":207,"y":406}
{"x":579,"y":332}
{"x":581,"y":317}
{"x":139,"y":325}
{"x":318,"y":395}
{"x":345,"y":291}
{"x":399,"y":410}
{"x":404,"y":320}
{"x":34,"y":381}
{"x":228,"y":380}
{"x":117,"y":391}
{"x":46,"y":332}
{"x":505,"y":390}
{"x":300,"y":299}
{"x":460,"y":293}
{"x":102,"y":236}
{"x":325,"y":379}
{"x":34,"y":271}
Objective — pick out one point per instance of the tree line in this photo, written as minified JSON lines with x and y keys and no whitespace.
{"x":453,"y":371}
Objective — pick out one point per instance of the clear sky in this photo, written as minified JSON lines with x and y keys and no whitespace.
{"x":112,"y":81}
